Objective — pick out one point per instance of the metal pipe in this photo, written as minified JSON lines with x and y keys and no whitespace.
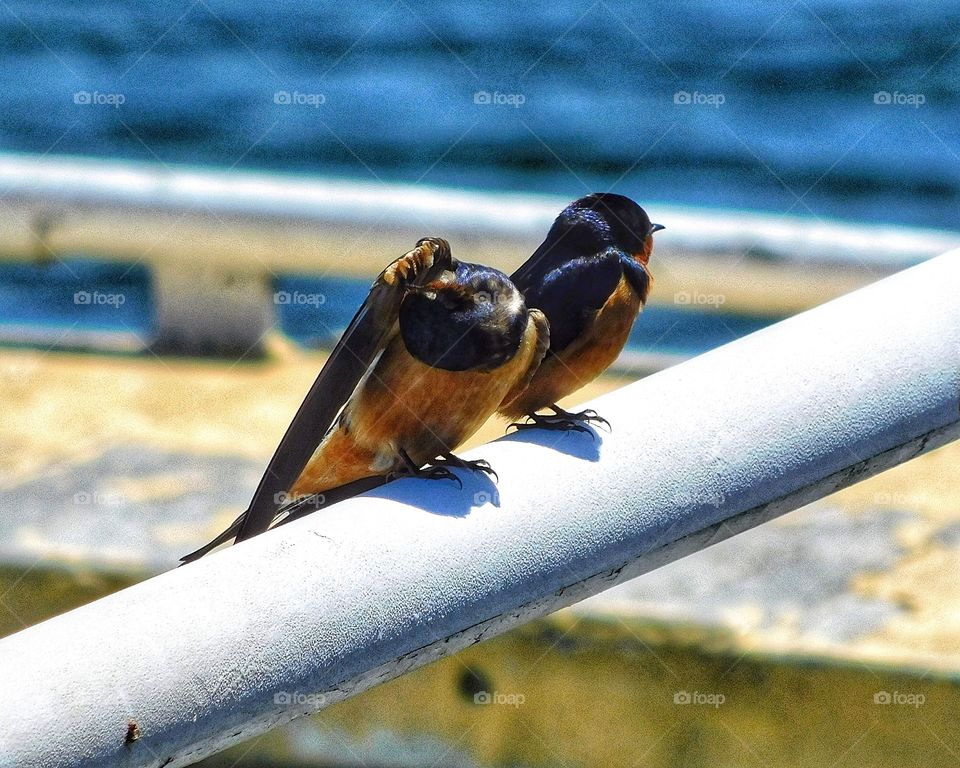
{"x":92,"y":184}
{"x":194,"y":660}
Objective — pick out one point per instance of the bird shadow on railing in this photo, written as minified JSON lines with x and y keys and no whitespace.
{"x":442,"y":497}
{"x":579,"y":445}
{"x":445,"y":497}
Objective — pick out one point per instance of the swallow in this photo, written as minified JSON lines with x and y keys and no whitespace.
{"x":591,"y":278}
{"x":435,"y":347}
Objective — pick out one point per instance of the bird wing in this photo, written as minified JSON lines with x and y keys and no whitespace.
{"x":551,"y":253}
{"x":359,"y":346}
{"x":571,"y":293}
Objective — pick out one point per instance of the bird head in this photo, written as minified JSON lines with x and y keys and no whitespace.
{"x":615,"y":220}
{"x":470,"y":318}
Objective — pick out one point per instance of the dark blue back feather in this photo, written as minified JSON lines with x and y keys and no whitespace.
{"x":571,"y":293}
{"x":582,"y":260}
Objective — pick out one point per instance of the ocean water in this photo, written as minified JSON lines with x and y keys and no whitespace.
{"x":837,"y":109}
{"x":845,"y":108}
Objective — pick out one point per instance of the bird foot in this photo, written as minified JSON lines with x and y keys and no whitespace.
{"x":433,"y":471}
{"x":563,"y":420}
{"x":588,"y":416}
{"x":476,"y":465}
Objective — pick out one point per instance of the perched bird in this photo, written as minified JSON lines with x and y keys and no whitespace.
{"x":435,"y":347}
{"x":591,"y":278}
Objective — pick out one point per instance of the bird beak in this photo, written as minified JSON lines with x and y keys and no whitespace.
{"x":656,"y":228}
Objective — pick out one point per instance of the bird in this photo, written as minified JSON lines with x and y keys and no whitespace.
{"x":435,"y":347}
{"x":591,"y":278}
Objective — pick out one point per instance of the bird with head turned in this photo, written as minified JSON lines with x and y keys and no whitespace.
{"x":436,"y":346}
{"x":591,"y":278}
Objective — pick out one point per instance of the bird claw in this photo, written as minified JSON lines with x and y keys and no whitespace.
{"x":475,"y":465}
{"x":430,"y":472}
{"x":588,"y":416}
{"x":440,"y":472}
{"x":554,"y":423}
{"x":433,"y":471}
{"x":561,"y":420}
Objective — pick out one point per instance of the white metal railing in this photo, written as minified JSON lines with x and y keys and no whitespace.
{"x":85,"y":187}
{"x":197,"y":659}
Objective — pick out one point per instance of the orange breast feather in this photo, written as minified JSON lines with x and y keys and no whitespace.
{"x":586,"y":358}
{"x":406,"y":404}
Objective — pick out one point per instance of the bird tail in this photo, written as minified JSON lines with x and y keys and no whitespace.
{"x":305,"y":505}
{"x":294,"y":510}
{"x":223,"y":538}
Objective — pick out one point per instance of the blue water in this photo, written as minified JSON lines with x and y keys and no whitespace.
{"x":798,"y":128}
{"x":782,"y":113}
{"x":77,"y":294}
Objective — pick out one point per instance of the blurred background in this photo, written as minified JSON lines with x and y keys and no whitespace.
{"x":388,"y":94}
{"x":194,"y":197}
